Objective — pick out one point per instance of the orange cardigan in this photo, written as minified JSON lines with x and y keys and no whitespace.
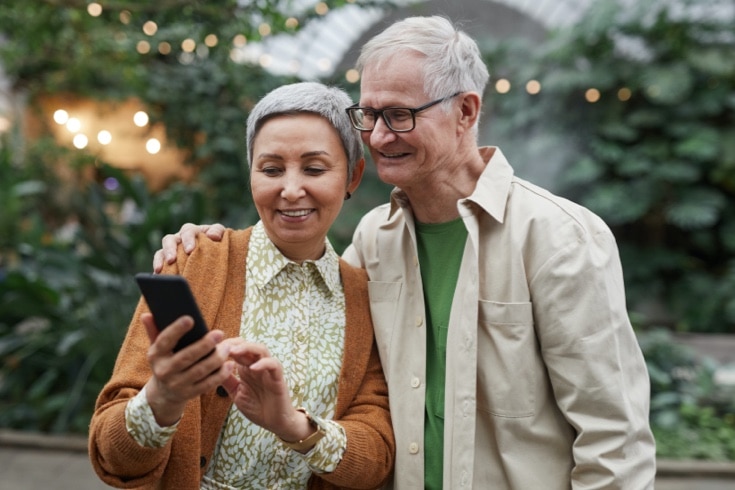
{"x":216,"y":272}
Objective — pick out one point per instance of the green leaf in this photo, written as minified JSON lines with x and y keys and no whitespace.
{"x":667,"y":84}
{"x":696,"y":209}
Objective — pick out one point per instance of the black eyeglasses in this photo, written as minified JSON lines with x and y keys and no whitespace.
{"x":398,"y":119}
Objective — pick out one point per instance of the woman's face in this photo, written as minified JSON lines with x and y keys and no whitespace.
{"x":299,"y":180}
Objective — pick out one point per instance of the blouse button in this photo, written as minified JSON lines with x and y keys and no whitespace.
{"x":415,"y":382}
{"x":202,"y":461}
{"x":413,"y":448}
{"x":222,"y":392}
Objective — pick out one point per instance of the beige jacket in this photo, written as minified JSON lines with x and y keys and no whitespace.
{"x":546,"y":385}
{"x":216,"y":272}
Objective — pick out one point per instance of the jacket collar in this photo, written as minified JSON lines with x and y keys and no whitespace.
{"x":490,"y":194}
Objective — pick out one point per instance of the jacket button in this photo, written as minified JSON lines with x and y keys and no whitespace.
{"x":202,"y":461}
{"x":221,"y":391}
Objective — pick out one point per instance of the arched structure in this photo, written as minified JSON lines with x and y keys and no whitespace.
{"x":331,"y":44}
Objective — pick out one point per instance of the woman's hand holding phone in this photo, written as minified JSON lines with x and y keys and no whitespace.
{"x":180,"y":376}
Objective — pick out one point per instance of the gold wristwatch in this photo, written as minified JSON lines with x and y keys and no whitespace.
{"x":306,"y":444}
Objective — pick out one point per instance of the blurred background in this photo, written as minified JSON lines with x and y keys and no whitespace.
{"x":120,"y":120}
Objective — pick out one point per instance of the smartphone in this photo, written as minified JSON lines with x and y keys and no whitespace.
{"x":169,"y":297}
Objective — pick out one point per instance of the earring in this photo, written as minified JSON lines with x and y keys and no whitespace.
{"x":347,"y":196}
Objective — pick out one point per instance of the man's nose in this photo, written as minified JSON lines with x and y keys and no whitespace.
{"x":381,"y":133}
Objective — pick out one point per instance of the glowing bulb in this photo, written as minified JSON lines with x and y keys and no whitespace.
{"x":533,"y":87}
{"x":61,"y":116}
{"x":153,"y":146}
{"x":211,"y":40}
{"x":140,"y":119}
{"x":73,"y":125}
{"x":150,"y":28}
{"x":352,"y":75}
{"x":104,"y":137}
{"x":321,"y":8}
{"x":80,"y":141}
{"x":188,"y":45}
{"x":592,"y":95}
{"x":239,"y":41}
{"x":94,"y":9}
{"x":502,"y":86}
{"x":143,"y":47}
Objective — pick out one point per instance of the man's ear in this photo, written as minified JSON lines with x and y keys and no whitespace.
{"x":471,"y":103}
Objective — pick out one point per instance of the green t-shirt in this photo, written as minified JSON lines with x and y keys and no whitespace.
{"x":440,"y":249}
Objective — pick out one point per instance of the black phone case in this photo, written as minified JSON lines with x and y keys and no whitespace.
{"x":169,"y":297}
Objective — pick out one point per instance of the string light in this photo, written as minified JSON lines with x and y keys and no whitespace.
{"x":188,"y":45}
{"x":94,"y":9}
{"x":592,"y":95}
{"x":502,"y":86}
{"x":533,"y":87}
{"x":164,"y":48}
{"x":140,"y":119}
{"x":211,"y":40}
{"x":61,"y":116}
{"x":264,"y":30}
{"x":73,"y":125}
{"x":321,"y":8}
{"x":153,"y":146}
{"x":80,"y":141}
{"x":150,"y":28}
{"x":239,"y":41}
{"x":104,"y":137}
{"x":352,"y":75}
{"x":143,"y":47}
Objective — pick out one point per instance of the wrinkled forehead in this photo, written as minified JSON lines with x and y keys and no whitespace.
{"x":392,"y":81}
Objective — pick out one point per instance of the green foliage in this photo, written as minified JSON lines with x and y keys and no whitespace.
{"x":70,"y":246}
{"x":655,"y":155}
{"x":692,"y":417}
{"x":66,"y":288}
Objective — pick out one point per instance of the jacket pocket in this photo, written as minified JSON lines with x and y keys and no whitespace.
{"x":508,"y":359}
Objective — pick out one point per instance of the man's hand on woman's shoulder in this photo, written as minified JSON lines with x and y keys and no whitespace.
{"x":186,"y":236}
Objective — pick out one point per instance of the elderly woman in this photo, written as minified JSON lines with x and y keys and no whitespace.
{"x":286,"y":390}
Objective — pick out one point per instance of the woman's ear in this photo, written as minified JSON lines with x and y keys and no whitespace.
{"x":357,"y":173}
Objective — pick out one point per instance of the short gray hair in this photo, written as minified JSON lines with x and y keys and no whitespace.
{"x":452,"y":59}
{"x":312,"y":98}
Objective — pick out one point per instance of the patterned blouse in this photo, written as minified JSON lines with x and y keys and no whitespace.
{"x":298,"y":312}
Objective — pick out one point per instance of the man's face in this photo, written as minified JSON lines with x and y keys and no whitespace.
{"x":407,"y":160}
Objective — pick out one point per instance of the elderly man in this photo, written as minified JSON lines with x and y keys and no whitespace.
{"x":499,"y":308}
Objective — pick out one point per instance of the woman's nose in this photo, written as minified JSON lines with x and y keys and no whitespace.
{"x":293,"y":187}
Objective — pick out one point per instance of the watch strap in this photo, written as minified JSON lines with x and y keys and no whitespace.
{"x":308,"y":443}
